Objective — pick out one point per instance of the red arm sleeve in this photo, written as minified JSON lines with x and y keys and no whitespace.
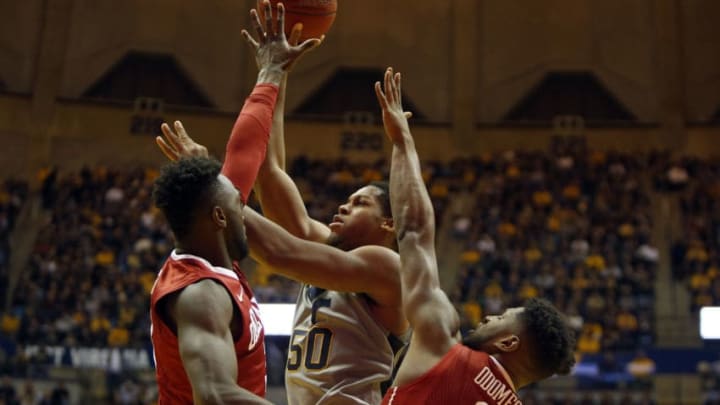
{"x":246,"y":148}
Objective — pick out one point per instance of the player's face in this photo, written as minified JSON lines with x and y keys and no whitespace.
{"x":494,"y":328}
{"x":359,"y":221}
{"x":235,"y":231}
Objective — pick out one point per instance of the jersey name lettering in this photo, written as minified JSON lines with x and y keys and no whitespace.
{"x":496,"y":389}
{"x":256,"y":326}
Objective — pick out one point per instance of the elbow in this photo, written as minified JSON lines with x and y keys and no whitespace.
{"x":415,"y":226}
{"x":414,"y":232}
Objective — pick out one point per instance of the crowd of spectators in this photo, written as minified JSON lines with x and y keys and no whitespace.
{"x":695,"y":254}
{"x":29,"y":394}
{"x":91,"y":268}
{"x":572,"y":226}
{"x":13,"y":193}
{"x":95,"y":260}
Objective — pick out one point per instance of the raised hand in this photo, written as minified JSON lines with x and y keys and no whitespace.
{"x":395,"y":119}
{"x":178,"y":144}
{"x":273,"y":52}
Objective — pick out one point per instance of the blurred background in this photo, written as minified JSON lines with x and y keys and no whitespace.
{"x":570,"y":148}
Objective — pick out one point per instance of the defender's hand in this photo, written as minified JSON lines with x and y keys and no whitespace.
{"x":395,"y":119}
{"x":273,"y":53}
{"x":178,"y":144}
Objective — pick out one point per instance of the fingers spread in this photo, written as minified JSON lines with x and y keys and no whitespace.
{"x":309,"y":44}
{"x":250,"y":40}
{"x":166,"y":149}
{"x":172,"y":138}
{"x":389,"y":86}
{"x":280,"y":29}
{"x":257,"y":25}
{"x":180,"y":130}
{"x":270,"y":32}
{"x":396,"y":84}
{"x":380,"y":96}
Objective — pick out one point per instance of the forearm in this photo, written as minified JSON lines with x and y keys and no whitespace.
{"x":271,"y":75}
{"x":411,"y":205}
{"x":268,"y":181}
{"x":277,"y":132}
{"x":273,"y":246}
{"x":415,"y":222}
{"x":264,"y":237}
{"x":246,"y":148}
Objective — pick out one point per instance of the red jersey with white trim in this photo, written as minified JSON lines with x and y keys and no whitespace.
{"x":462,"y":377}
{"x":179,"y":271}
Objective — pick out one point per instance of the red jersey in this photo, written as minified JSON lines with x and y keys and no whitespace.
{"x":462,"y":377}
{"x":179,"y":271}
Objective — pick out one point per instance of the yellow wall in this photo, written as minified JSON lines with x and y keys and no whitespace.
{"x":82,"y":133}
{"x":626,"y":43}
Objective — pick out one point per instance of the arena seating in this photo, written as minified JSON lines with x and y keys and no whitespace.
{"x":573,"y":228}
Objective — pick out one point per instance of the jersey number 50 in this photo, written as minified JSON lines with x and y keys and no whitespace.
{"x":317,"y":344}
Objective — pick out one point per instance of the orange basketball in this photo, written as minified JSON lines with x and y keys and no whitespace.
{"x":316,"y":16}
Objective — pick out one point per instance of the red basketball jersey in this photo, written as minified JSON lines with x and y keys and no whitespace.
{"x":462,"y":377}
{"x":179,"y":271}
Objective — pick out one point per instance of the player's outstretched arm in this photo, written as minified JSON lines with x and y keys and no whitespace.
{"x":368,"y":269}
{"x":276,"y":145}
{"x":427,"y":308}
{"x":246,"y":148}
{"x":279,"y":197}
{"x":203,"y":312}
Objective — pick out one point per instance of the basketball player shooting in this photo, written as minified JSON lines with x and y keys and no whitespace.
{"x":503,"y":353}
{"x":348,"y":323}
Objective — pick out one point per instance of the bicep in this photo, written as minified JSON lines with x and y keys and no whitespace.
{"x":203,"y":312}
{"x":208,"y":357}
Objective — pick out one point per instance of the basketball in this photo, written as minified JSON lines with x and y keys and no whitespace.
{"x":316,"y":16}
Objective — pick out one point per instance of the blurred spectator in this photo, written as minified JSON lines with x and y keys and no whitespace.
{"x":7,"y":391}
{"x":128,"y":393}
{"x":642,"y":368}
{"x":60,"y":395}
{"x":29,"y":395}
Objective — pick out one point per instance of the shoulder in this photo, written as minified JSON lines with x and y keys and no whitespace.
{"x":205,"y":302}
{"x":379,"y":256}
{"x":203,"y":290}
{"x":382,"y":265}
